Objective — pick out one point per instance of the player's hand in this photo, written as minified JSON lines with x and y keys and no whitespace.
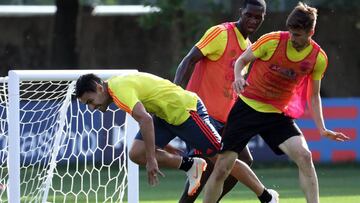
{"x":239,"y":84}
{"x":337,"y":136}
{"x":153,"y":171}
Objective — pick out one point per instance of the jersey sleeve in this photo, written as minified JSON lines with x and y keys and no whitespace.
{"x":266,"y":45}
{"x":320,"y":66}
{"x":213,"y":43}
{"x":125,"y":95}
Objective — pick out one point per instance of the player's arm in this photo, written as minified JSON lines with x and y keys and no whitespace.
{"x":211,"y":45}
{"x":315,"y":107}
{"x":187,"y":65}
{"x":263,"y":48}
{"x":148,"y":133}
{"x":314,"y":99}
{"x":244,"y":59}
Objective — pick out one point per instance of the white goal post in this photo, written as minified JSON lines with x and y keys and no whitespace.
{"x":41,"y":106}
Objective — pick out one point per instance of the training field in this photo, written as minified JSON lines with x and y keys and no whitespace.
{"x":337,"y":184}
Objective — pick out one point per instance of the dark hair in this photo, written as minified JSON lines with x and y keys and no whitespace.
{"x":302,"y":17}
{"x":86,"y":83}
{"x":261,"y":3}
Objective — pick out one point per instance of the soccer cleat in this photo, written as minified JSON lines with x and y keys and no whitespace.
{"x":275,"y":196}
{"x":194,"y":175}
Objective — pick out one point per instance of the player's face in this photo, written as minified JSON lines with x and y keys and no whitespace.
{"x":251,"y":18}
{"x":96,"y":100}
{"x":299,"y":38}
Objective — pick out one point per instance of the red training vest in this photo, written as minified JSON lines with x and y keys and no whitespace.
{"x":212,"y":80}
{"x":280,"y":81}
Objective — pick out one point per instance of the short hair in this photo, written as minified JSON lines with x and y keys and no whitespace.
{"x":86,"y":83}
{"x":261,"y":3}
{"x":302,"y":17}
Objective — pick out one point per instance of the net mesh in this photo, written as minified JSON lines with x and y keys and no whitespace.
{"x":3,"y":138}
{"x":67,"y":153}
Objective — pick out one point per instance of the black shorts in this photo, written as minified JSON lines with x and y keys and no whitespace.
{"x":244,"y":122}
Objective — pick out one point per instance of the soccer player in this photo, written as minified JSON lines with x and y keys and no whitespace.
{"x":211,"y":66}
{"x":175,"y":112}
{"x":287,"y":70}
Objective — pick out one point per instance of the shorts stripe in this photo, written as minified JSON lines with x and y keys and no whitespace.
{"x":207,"y":131}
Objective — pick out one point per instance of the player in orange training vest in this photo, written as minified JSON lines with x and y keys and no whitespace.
{"x":287,"y":69}
{"x":211,"y":66}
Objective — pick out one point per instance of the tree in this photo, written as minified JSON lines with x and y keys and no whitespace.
{"x":64,"y":53}
{"x":185,"y":21}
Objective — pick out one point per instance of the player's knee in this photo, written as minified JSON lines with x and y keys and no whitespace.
{"x":137,"y":152}
{"x":132,"y":155}
{"x":135,"y":155}
{"x":220,"y":173}
{"x":304,"y":157}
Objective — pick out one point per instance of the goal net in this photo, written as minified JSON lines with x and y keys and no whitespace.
{"x":54,"y":149}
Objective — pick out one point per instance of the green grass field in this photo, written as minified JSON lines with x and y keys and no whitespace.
{"x":337,"y":184}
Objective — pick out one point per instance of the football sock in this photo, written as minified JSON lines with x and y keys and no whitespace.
{"x":265,"y":196}
{"x":186,"y":163}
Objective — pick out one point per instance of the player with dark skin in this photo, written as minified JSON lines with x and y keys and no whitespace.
{"x":197,"y":60}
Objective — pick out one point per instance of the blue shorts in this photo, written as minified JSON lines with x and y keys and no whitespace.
{"x":197,"y":132}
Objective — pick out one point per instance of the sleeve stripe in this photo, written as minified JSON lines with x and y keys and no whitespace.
{"x":262,"y":41}
{"x":119,"y":103}
{"x":210,"y":37}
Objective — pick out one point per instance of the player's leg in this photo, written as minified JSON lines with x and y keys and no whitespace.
{"x":229,"y":183}
{"x":283,"y":136}
{"x":223,"y":166}
{"x":227,"y":163}
{"x":185,"y":197}
{"x":245,"y":156}
{"x":243,"y":123}
{"x":194,"y":167}
{"x":138,"y":155}
{"x":162,"y":137}
{"x":198,"y":133}
{"x":297,"y":149}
